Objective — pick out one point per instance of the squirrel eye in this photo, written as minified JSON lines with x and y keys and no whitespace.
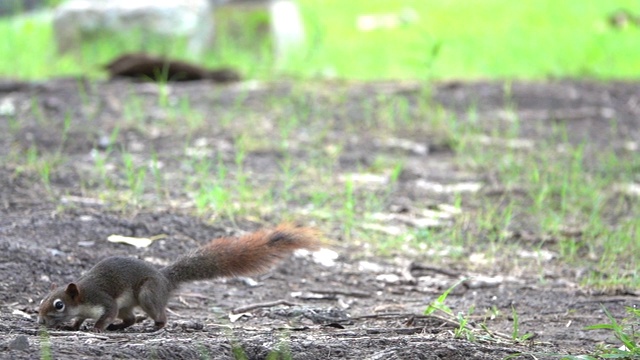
{"x":58,"y":305}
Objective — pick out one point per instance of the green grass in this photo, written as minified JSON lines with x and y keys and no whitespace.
{"x":568,"y":197}
{"x":446,"y":39}
{"x":570,"y":192}
{"x":625,"y":331}
{"x":476,"y":39}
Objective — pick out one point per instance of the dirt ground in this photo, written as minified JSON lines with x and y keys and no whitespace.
{"x":360,"y":307}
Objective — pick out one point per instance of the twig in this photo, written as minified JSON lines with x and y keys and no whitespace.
{"x":384,"y":316}
{"x":243,"y":309}
{"x":354,"y":293}
{"x":402,"y":331}
{"x":435,"y":270}
{"x":78,"y":333}
{"x":406,"y":273}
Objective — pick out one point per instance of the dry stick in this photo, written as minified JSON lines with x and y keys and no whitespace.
{"x":384,"y":315}
{"x":243,"y":309}
{"x":354,"y":293}
{"x":406,"y":273}
{"x":78,"y":334}
{"x":435,"y":270}
{"x":402,"y":331}
{"x":451,"y":322}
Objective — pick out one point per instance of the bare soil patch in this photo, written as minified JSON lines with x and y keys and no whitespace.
{"x":362,"y":307}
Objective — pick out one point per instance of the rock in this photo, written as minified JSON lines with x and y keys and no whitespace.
{"x":7,"y":107}
{"x":13,"y":7}
{"x":79,"y":21}
{"x":19,"y":343}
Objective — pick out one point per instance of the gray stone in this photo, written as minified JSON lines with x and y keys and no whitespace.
{"x":13,"y":7}
{"x":78,"y":21}
{"x":19,"y":343}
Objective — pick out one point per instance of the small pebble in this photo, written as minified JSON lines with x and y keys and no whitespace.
{"x":191,"y":325}
{"x":19,"y":343}
{"x":104,"y":142}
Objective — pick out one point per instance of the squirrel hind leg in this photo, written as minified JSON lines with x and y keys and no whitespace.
{"x":152,"y":299}
{"x":128,"y":319}
{"x":158,"y":314}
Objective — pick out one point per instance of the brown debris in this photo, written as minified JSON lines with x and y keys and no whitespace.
{"x":148,"y":67}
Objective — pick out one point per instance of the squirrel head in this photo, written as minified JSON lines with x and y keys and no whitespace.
{"x":60,"y":305}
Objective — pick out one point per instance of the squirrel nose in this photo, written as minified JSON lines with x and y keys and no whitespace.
{"x":41,"y":320}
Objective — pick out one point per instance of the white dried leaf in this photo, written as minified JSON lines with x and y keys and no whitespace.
{"x":388,"y":278}
{"x":365,"y":178}
{"x":469,"y":187}
{"x":234,"y":317}
{"x":138,"y":242}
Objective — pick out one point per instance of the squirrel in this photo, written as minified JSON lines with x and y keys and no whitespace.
{"x":117,"y":285}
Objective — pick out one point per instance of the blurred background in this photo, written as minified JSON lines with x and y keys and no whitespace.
{"x":360,"y":39}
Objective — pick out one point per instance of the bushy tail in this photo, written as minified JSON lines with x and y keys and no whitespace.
{"x":250,"y":254}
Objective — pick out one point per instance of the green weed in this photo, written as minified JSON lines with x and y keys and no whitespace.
{"x":462,"y":331}
{"x":464,"y":328}
{"x":439,"y":303}
{"x":157,"y":173}
{"x":194,"y":118}
{"x":516,"y":335}
{"x":34,"y":161}
{"x":134,"y":113}
{"x":135,"y":176}
{"x":210,"y":191}
{"x":348,"y":212}
{"x":100,"y":160}
{"x":625,"y":332}
{"x":238,"y":352}
{"x":283,"y":351}
{"x":45,"y":344}
{"x":241,"y":179}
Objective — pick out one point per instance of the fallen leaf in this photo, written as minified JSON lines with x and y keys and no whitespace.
{"x":138,"y":242}
{"x":21,"y":313}
{"x":235,"y":317}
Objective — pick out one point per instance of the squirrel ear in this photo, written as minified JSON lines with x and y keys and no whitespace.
{"x":72,"y":290}
{"x":53,"y":286}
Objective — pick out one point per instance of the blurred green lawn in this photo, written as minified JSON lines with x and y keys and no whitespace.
{"x":445,"y":39}
{"x":479,"y":39}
